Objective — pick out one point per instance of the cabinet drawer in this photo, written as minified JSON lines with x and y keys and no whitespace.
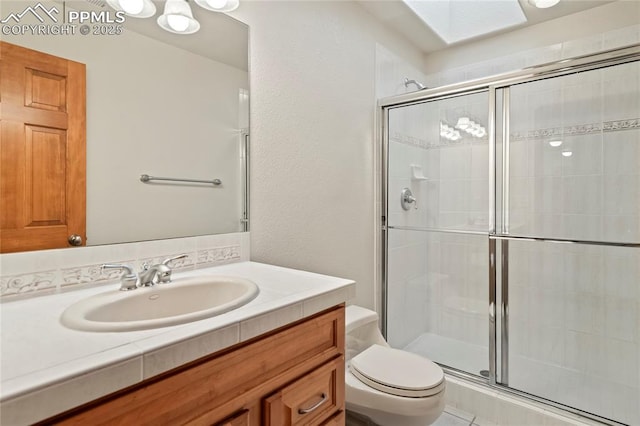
{"x":310,"y":400}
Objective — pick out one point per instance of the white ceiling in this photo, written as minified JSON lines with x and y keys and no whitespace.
{"x":396,"y":15}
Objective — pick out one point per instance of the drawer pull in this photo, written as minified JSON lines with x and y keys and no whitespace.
{"x":310,"y":409}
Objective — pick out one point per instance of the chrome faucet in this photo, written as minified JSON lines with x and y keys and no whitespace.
{"x":128,"y":280}
{"x":161,"y":270}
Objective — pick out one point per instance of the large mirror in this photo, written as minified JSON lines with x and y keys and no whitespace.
{"x":158,"y":104}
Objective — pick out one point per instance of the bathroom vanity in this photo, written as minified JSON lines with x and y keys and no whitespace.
{"x":291,"y":376}
{"x":277,"y":360}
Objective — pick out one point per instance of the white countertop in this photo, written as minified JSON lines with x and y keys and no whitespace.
{"x":46,"y":368}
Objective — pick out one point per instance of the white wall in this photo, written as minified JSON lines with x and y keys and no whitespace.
{"x":312,"y":122}
{"x":155,"y":109}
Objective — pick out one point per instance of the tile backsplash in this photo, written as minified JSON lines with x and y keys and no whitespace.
{"x":41,"y":272}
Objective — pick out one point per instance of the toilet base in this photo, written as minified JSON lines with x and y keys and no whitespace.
{"x":382,"y":418}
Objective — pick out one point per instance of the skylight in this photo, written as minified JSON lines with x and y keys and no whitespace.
{"x":458,"y":20}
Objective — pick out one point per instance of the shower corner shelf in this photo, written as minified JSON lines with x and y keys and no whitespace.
{"x":417,"y":173}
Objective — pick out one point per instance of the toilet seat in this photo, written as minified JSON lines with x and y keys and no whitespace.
{"x":397,"y":372}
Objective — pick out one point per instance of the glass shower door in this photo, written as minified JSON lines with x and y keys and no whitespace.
{"x":573,"y":167}
{"x":437,"y":239}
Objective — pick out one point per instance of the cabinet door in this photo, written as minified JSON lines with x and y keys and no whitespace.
{"x":309,"y":400}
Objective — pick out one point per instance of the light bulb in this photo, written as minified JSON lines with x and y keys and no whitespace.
{"x":555,"y":143}
{"x":178,"y":23}
{"x":543,"y":4}
{"x":463,"y":123}
{"x":217,"y":4}
{"x":132,"y":7}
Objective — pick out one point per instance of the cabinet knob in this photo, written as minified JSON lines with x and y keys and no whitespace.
{"x":75,"y":240}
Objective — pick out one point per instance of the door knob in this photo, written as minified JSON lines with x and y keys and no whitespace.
{"x":75,"y":240}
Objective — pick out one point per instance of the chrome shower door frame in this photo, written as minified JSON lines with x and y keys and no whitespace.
{"x":498,"y":215}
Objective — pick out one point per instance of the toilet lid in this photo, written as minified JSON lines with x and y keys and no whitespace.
{"x":397,"y":372}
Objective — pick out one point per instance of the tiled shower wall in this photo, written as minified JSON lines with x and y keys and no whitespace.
{"x":456,"y":200}
{"x":438,"y":279}
{"x":575,"y":310}
{"x":594,"y":194}
{"x":574,"y":326}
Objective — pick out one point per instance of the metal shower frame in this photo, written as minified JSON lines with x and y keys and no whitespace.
{"x":492,"y":85}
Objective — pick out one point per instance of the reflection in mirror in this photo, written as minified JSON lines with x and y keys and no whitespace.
{"x":164,"y":105}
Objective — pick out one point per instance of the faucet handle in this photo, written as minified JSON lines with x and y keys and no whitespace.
{"x":164,"y":274}
{"x":128,"y":280}
{"x":171,"y":259}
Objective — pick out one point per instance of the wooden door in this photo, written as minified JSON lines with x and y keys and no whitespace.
{"x":42,"y":150}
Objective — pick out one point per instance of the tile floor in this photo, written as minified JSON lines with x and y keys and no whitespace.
{"x":450,"y":417}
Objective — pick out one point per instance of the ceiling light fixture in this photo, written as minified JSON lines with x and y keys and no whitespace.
{"x":219,"y":5}
{"x":463,"y":123}
{"x":449,"y":132}
{"x":555,"y":143}
{"x":178,"y":18}
{"x":471,"y":127}
{"x":134,"y":8}
{"x":543,"y":4}
{"x":567,"y":153}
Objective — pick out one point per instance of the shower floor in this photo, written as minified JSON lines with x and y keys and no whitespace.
{"x":587,"y":392}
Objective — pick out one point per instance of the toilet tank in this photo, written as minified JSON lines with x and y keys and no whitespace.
{"x":362,"y":330}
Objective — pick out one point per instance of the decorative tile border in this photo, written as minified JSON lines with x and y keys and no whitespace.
{"x":218,"y":255}
{"x":410,"y":140}
{"x":423,"y":144}
{"x":204,"y":252}
{"x":90,"y":274}
{"x":577,"y":130}
{"x":613,"y":126}
{"x":538,"y":134}
{"x":26,"y":283}
{"x":177,"y":264}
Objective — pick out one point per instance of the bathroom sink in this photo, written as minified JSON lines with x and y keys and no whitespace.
{"x":181,"y":301}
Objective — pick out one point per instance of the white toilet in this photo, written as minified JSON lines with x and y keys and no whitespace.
{"x":390,"y":386}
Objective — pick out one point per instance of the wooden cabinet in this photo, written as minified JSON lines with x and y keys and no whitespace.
{"x":240,"y":419}
{"x":291,"y":376}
